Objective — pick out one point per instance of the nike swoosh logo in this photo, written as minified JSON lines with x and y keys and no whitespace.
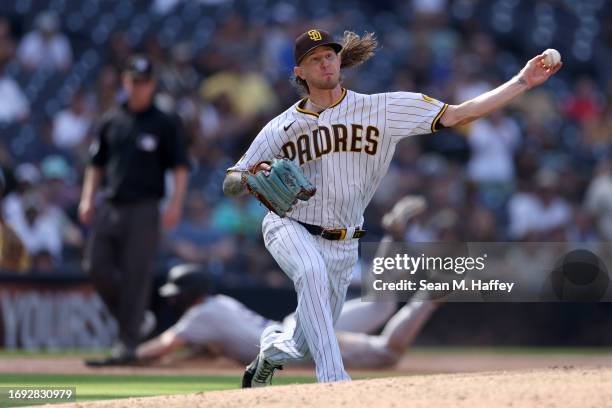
{"x":288,"y":126}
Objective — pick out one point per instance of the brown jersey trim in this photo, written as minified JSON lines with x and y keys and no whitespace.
{"x":435,"y":123}
{"x":339,"y":99}
{"x":307,"y":112}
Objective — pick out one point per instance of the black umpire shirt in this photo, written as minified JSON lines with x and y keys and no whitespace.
{"x":135,"y":149}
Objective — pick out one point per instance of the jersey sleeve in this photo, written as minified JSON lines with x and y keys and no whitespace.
{"x":175,"y":149}
{"x":196,"y":327}
{"x":98,"y":150}
{"x":411,"y":114}
{"x":264,"y":147}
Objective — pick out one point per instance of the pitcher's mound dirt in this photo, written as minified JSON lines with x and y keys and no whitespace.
{"x":552,"y":387}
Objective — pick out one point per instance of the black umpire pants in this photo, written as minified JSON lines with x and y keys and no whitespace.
{"x":119,"y":257}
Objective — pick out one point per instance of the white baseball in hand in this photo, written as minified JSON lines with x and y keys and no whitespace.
{"x":551,"y":57}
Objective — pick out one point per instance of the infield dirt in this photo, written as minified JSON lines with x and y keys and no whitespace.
{"x":552,"y":387}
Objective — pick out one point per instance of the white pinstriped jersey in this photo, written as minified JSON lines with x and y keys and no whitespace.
{"x":344,"y":150}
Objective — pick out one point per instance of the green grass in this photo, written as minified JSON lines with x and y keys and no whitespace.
{"x":96,"y":387}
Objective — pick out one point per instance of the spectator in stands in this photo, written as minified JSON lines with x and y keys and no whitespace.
{"x":227,"y":123}
{"x":38,"y":227}
{"x":119,"y":49}
{"x":585,"y":103}
{"x":277,"y":49}
{"x":7,"y":45}
{"x":155,"y":52}
{"x":44,"y":146}
{"x":540,"y":215}
{"x":43,"y":262}
{"x":107,"y":88}
{"x":480,"y":225}
{"x":469,"y":83}
{"x":203,"y":118}
{"x":493,"y":141}
{"x":428,"y":8}
{"x":28,"y":177}
{"x":14,"y":105}
{"x":583,"y":227}
{"x":44,"y":227}
{"x":163,"y":7}
{"x":45,"y":47}
{"x":598,"y":200}
{"x":598,"y":133}
{"x":61,"y":194}
{"x":241,"y":87}
{"x":13,"y":254}
{"x":239,"y":216}
{"x":59,"y":187}
{"x":7,"y":168}
{"x":179,"y":78}
{"x":194,"y":239}
{"x":538,"y":106}
{"x":71,"y":125}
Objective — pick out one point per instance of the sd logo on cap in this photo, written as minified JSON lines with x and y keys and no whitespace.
{"x":315,"y":35}
{"x":310,"y":40}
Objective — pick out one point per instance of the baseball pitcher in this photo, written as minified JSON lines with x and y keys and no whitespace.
{"x":343,"y":142}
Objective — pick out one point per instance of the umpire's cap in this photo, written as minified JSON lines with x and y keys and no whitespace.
{"x":139,"y":67}
{"x":310,"y":40}
{"x":186,"y":278}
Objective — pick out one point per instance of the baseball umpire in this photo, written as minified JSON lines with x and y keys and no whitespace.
{"x":135,"y":144}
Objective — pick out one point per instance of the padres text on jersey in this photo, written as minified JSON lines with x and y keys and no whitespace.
{"x":344,"y":150}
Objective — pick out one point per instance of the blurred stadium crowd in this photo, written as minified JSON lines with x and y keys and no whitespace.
{"x":538,"y":171}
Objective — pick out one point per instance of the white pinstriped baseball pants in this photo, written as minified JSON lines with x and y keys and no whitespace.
{"x":321,"y":272}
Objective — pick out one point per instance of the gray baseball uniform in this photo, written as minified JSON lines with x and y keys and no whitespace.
{"x":205,"y":324}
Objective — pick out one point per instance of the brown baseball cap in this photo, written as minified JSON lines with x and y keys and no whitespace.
{"x":310,"y":40}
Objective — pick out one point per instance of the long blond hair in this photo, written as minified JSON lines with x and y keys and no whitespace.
{"x":355,"y":51}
